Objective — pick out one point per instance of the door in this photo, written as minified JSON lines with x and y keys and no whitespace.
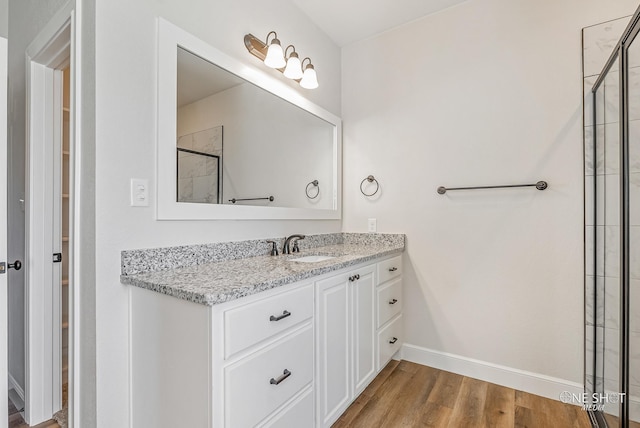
{"x":631,"y":291}
{"x":4,"y":399}
{"x":333,"y":341}
{"x":364,"y":329}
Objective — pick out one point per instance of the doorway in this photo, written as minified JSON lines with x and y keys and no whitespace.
{"x":41,"y":392}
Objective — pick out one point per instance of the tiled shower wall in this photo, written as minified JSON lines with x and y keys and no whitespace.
{"x":602,"y":225}
{"x":199,"y":176}
{"x":602,"y":216}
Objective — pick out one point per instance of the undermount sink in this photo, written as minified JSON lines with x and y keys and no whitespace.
{"x":312,"y":259}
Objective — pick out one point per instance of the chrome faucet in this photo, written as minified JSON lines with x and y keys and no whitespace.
{"x":286,"y":249}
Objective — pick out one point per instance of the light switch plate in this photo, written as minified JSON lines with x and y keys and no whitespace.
{"x":372,"y":225}
{"x":139,"y":192}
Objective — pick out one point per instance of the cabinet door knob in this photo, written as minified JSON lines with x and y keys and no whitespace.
{"x":358,"y":276}
{"x":394,"y":340}
{"x":393,"y":301}
{"x":279,"y":317}
{"x":282,"y":377}
{"x":393,"y":269}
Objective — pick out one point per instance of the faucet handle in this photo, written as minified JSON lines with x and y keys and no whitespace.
{"x":274,"y":248}
{"x":295,"y":248}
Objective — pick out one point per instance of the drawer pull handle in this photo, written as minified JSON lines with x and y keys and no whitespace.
{"x":393,"y":301}
{"x":284,"y":375}
{"x":394,"y":340}
{"x":279,"y":317}
{"x":393,"y":269}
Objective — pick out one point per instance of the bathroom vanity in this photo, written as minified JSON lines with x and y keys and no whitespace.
{"x":226,"y":335}
{"x":261,"y":340}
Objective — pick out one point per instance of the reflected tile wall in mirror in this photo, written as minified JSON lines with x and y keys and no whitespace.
{"x":200,"y":166}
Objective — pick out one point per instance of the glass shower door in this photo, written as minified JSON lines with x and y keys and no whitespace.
{"x":613,"y":237}
{"x":607,"y":256}
{"x":632,"y":311}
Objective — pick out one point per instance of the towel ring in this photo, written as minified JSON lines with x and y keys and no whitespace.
{"x":315,"y":184}
{"x":370,"y":179}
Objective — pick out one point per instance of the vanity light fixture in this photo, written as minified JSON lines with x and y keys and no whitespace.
{"x":275,"y":56}
{"x":293,"y":70}
{"x":272,"y":55}
{"x":309,"y":77}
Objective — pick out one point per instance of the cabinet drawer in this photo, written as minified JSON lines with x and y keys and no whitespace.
{"x":249,"y":324}
{"x":389,"y":301}
{"x":389,"y":269}
{"x":297,"y":414}
{"x":389,"y":341}
{"x":250,"y":390}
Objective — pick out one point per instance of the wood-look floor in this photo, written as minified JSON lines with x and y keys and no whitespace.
{"x":612,"y":422}
{"x":16,"y":421}
{"x":405,"y":394}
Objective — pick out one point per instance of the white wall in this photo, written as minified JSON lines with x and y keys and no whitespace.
{"x":26,"y":19}
{"x":486,"y":92}
{"x":4,"y":18}
{"x":258,"y":129}
{"x":85,"y":415}
{"x":125,"y":148}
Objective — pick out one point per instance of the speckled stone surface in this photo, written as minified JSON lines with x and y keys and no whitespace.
{"x":225,"y":277}
{"x":156,"y":259}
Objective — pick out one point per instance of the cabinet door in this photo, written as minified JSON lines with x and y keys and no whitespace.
{"x":363,"y":291}
{"x":332,"y":347}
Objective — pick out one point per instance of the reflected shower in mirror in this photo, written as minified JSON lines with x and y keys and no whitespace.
{"x":271,"y":149}
{"x":199,"y":166}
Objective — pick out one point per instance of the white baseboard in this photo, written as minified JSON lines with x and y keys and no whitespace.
{"x":16,"y":394}
{"x":533,"y":383}
{"x":13,"y":384}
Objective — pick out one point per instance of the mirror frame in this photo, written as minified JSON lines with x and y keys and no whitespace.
{"x":170,"y":37}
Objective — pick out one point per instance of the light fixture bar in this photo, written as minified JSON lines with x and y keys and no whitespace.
{"x":258,"y":48}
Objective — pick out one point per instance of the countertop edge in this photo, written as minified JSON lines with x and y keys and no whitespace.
{"x":211,"y":299}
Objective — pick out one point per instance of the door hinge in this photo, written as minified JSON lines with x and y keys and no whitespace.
{"x":3,"y":267}
{"x":57,"y":257}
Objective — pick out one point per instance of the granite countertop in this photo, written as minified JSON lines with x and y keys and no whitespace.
{"x":222,"y":281}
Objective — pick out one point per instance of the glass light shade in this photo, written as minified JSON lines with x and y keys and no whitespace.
{"x":309,"y":78}
{"x":294,"y":68}
{"x":275,"y":56}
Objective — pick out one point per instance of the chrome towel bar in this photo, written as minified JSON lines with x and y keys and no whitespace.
{"x":540,"y":185}
{"x":234,"y":200}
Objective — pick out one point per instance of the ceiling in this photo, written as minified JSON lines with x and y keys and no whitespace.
{"x":199,"y":79}
{"x":360,"y":19}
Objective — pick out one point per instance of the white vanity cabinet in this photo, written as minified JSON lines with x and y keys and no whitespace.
{"x":248,"y":362}
{"x":389,"y":310}
{"x":345,"y":339}
{"x":358,"y":330}
{"x":293,"y":356}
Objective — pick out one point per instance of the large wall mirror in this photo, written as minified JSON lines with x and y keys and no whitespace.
{"x":236,"y":143}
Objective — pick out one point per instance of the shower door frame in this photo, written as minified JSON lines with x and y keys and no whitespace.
{"x":620,"y":53}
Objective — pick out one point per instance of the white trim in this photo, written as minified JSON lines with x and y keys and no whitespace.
{"x":75,"y":134}
{"x":4,"y":366}
{"x":43,"y":41}
{"x":56,"y":241}
{"x":170,"y":37}
{"x":13,"y":384}
{"x":522,"y":380}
